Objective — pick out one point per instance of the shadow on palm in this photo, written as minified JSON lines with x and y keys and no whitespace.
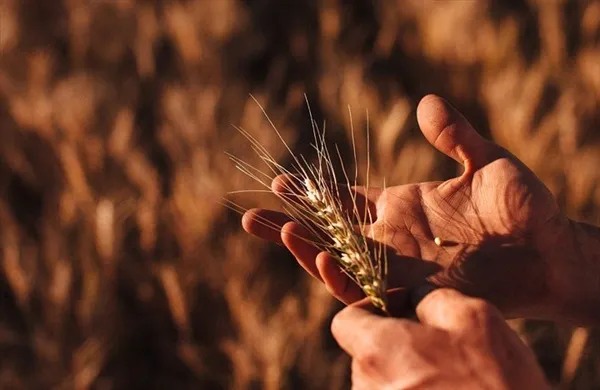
{"x":494,"y":222}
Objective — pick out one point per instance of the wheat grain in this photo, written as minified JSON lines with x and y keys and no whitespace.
{"x":311,"y":200}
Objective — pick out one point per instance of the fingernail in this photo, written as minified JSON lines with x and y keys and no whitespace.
{"x":417,"y":294}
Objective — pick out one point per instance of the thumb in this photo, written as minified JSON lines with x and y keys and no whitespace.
{"x":452,"y":311}
{"x":449,"y":132}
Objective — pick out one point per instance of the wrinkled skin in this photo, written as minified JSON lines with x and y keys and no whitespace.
{"x":501,"y":227}
{"x":461,"y":343}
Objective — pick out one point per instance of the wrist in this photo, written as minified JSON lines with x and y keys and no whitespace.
{"x":574,"y":277}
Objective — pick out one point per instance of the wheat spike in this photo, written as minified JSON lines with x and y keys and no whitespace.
{"x":311,"y":201}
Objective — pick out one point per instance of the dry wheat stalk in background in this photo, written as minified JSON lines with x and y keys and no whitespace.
{"x":313,"y":200}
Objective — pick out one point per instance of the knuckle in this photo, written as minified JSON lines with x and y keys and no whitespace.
{"x":478,"y":305}
{"x":370,"y":357}
{"x":446,"y":135}
{"x":374,"y":349}
{"x":480,"y":314}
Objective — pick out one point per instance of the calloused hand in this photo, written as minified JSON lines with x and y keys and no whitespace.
{"x":501,"y":228}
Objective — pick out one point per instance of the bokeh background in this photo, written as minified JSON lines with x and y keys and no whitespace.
{"x":119,"y":268}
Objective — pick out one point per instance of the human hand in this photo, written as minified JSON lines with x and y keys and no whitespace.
{"x":461,"y":343}
{"x":504,"y":238}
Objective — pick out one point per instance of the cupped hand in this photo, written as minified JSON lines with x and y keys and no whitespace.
{"x":499,"y":227}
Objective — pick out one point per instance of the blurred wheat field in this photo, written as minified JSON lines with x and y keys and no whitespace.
{"x":118,"y":267}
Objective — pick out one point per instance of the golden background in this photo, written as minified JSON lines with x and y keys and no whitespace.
{"x":119,"y":268}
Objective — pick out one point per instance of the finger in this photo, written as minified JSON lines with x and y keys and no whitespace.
{"x":357,"y":329}
{"x":298,"y":240}
{"x":398,"y":303}
{"x":449,"y":132}
{"x":336,"y":281}
{"x":452,"y":311}
{"x":352,"y":328}
{"x":356,"y":201}
{"x":265,"y":224}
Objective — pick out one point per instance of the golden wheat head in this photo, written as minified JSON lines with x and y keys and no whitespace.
{"x":311,"y":200}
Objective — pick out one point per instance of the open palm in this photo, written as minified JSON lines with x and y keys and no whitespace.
{"x":497,"y":224}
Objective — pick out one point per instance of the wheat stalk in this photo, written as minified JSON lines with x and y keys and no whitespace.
{"x":311,"y":200}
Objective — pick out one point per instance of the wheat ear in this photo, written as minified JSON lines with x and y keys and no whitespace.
{"x":311,"y":201}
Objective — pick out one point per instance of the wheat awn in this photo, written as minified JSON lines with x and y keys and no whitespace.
{"x":311,"y":200}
